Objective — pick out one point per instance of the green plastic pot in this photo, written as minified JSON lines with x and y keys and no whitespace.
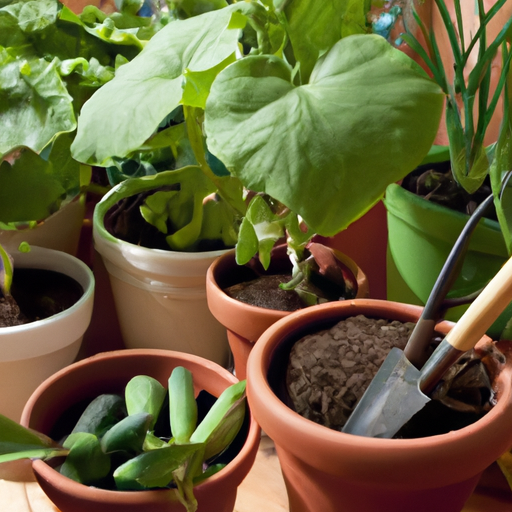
{"x":421,"y":235}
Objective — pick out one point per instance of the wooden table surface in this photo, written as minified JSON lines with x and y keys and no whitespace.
{"x":262,"y":491}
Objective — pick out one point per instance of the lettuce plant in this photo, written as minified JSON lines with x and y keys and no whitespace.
{"x":51,"y":61}
{"x":117,"y":438}
{"x":293,"y":100}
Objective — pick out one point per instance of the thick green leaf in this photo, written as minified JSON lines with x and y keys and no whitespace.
{"x":28,"y":189}
{"x":33,"y":15}
{"x":100,"y":415}
{"x":6,"y":271}
{"x":345,"y":128}
{"x":154,"y":468}
{"x":127,"y":435}
{"x":34,"y":103}
{"x":322,"y":22}
{"x":223,"y":421}
{"x":182,"y":404}
{"x":85,"y":463}
{"x":145,"y":394}
{"x":259,"y":231}
{"x":18,"y":442}
{"x":125,"y":112}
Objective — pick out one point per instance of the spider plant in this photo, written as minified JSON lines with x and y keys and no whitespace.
{"x":470,"y":100}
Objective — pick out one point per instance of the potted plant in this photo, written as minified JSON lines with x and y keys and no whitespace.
{"x":51,"y":61}
{"x":345,"y":472}
{"x":197,"y":99}
{"x":135,"y":374}
{"x":165,"y":288}
{"x":471,"y":172}
{"x":54,"y":292}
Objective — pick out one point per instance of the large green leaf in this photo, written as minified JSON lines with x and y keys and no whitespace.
{"x":32,"y":188}
{"x":125,"y":112}
{"x":34,"y":103}
{"x":322,"y":22}
{"x":18,"y":442}
{"x":329,"y":148}
{"x":86,"y":463}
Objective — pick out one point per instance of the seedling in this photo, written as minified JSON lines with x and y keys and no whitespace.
{"x":116,"y":438}
{"x":6,"y":271}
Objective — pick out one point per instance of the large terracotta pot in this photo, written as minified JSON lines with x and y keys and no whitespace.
{"x":331,"y":471}
{"x":246,"y":323}
{"x":110,"y":372}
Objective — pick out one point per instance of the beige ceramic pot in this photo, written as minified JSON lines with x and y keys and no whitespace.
{"x":331,"y":471}
{"x":109,"y":373}
{"x":31,"y":352}
{"x":246,"y":323}
{"x":159,"y":295}
{"x":60,"y":232}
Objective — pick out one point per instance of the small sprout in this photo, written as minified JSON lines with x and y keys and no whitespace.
{"x":6,"y":272}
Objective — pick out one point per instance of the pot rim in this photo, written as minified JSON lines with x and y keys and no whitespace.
{"x":74,"y":320}
{"x":120,"y":191}
{"x":325,"y":445}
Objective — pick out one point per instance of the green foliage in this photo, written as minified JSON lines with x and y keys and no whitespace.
{"x":51,"y":62}
{"x":469,"y":104}
{"x":116,"y":437}
{"x":276,"y":94}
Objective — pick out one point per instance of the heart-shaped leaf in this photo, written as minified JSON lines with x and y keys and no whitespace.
{"x":326,"y":149}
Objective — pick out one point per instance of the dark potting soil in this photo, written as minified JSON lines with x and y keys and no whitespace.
{"x":329,"y":371}
{"x":435,"y":183}
{"x":37,"y":294}
{"x":264,"y":292}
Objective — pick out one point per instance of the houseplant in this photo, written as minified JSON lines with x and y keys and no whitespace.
{"x":109,"y":373}
{"x":195,"y":88}
{"x":51,"y":61}
{"x":165,"y":288}
{"x":471,"y":103}
{"x":246,"y":322}
{"x":343,"y":472}
{"x":33,"y":351}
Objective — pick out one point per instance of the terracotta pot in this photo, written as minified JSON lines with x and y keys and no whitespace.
{"x":110,"y":372}
{"x":246,"y":323}
{"x":331,"y":471}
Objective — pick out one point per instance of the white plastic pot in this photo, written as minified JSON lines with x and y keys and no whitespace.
{"x":30,"y":353}
{"x":160,"y":295}
{"x":60,"y":231}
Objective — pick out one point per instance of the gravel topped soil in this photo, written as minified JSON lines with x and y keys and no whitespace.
{"x":329,"y":371}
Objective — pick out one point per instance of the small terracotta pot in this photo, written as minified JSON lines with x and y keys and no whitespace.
{"x":246,"y":323}
{"x":331,"y":471}
{"x":109,"y":373}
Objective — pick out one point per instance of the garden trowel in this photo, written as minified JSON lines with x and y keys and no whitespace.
{"x":399,"y":390}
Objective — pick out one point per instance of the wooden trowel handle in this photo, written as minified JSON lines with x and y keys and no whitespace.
{"x":473,"y":324}
{"x":483,"y":311}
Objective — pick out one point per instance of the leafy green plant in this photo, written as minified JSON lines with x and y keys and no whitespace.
{"x":470,"y":103}
{"x":51,"y":61}
{"x":117,"y":437}
{"x":294,"y":100}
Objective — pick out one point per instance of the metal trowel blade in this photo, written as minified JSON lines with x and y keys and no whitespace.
{"x":391,"y":400}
